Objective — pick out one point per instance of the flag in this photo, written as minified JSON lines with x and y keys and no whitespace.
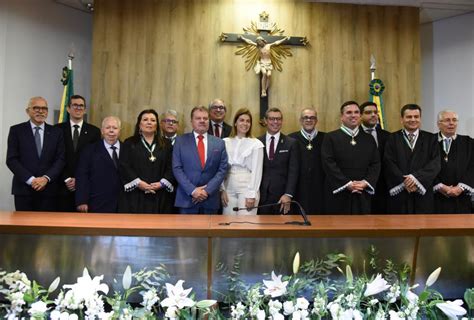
{"x":376,"y":88}
{"x":67,"y":81}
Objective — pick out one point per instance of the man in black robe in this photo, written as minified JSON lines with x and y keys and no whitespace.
{"x":309,"y":191}
{"x":411,"y":163}
{"x":455,"y":182}
{"x":370,"y":124}
{"x":352,"y":164}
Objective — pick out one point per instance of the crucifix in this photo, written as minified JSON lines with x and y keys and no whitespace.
{"x":264,"y":46}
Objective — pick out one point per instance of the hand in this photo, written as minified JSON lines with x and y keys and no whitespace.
{"x":444,"y":190}
{"x":359,"y":186}
{"x":38,"y":184}
{"x":156,"y":186}
{"x":83,"y":208}
{"x":249,"y":203}
{"x":285,"y":203}
{"x":71,"y":184}
{"x":145,"y":187}
{"x":410,"y":184}
{"x":353,"y":187}
{"x":455,"y":191}
{"x":199,"y":194}
{"x":224,"y":198}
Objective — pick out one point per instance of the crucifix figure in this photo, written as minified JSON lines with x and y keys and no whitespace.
{"x":264,"y":49}
{"x":264,"y":65}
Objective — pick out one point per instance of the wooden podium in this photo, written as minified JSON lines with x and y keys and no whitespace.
{"x":45,"y":245}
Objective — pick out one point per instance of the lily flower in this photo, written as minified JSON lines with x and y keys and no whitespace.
{"x":177,"y":296}
{"x":86,"y":287}
{"x":452,"y":309}
{"x":376,"y":286}
{"x":433,"y":277}
{"x":275,"y":287}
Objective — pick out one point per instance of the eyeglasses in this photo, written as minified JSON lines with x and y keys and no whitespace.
{"x":169,"y":121}
{"x":219,"y":108}
{"x":39,"y":109}
{"x":78,"y":106}
{"x":309,"y":118}
{"x":275,"y":119}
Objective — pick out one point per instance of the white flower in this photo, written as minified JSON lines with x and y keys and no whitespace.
{"x":376,"y":286}
{"x":261,"y":315}
{"x":38,"y":308}
{"x":350,"y":314}
{"x":319,"y":304}
{"x":275,"y":287}
{"x":433,"y":277}
{"x":300,"y":315}
{"x":373,"y":302}
{"x":106,"y":315}
{"x":288,"y":308}
{"x":302,"y":303}
{"x":177,"y":296}
{"x":149,"y":298}
{"x":412,"y":297}
{"x":86,"y":287}
{"x":278,"y":316}
{"x":452,"y":309}
{"x":58,"y":315}
{"x":274,"y":307}
{"x":395,"y":315}
{"x":296,"y":263}
{"x":171,"y":312}
{"x":237,"y":311}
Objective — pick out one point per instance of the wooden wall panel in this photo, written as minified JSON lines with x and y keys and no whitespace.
{"x":166,"y":54}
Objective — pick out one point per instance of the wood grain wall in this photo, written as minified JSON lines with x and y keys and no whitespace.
{"x":167,"y":54}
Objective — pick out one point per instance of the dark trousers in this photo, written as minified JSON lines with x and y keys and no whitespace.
{"x":67,"y":202}
{"x":35,"y":202}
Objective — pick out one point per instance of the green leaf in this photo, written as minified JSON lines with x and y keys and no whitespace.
{"x":204,"y":304}
{"x":127,"y":278}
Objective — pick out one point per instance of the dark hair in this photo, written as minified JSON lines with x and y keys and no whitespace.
{"x":239,"y":113}
{"x":137,"y":133}
{"x":199,"y":108}
{"x":347,"y":103}
{"x":272,"y":110}
{"x":410,"y":106}
{"x":367,"y":104}
{"x":76,"y":96}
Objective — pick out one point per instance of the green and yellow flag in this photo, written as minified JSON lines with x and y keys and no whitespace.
{"x":376,"y":88}
{"x":67,"y":81}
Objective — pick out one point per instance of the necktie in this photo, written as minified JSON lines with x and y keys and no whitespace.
{"x":271,"y":152}
{"x":411,"y":139}
{"x":38,"y":141}
{"x":447,"y":144}
{"x":216,"y":130}
{"x":75,"y":136}
{"x":201,"y":150}
{"x":114,"y":155}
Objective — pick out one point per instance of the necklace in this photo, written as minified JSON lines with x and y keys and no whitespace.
{"x":152,"y":157}
{"x":351,"y":133}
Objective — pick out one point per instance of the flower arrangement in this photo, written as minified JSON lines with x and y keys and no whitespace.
{"x":308,"y":293}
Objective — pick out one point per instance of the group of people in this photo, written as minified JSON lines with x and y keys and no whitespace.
{"x":221,"y":168}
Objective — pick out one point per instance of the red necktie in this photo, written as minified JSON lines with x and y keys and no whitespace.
{"x":271,"y":153}
{"x":201,"y":150}
{"x":217,"y":131}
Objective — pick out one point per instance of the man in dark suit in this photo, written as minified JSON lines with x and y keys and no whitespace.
{"x":454,"y":184}
{"x":217,"y":126}
{"x":199,"y":166}
{"x":35,"y":155}
{"x":370,"y":124}
{"x":310,"y":190}
{"x":77,"y":135}
{"x":411,"y":164}
{"x":280,"y":166}
{"x":98,"y":185}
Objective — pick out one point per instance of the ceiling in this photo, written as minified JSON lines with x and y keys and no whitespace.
{"x":430,"y":10}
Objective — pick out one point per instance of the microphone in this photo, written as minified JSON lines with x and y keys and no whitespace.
{"x":301,"y":210}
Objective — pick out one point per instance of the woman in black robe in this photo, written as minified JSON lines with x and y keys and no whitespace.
{"x":145,"y":168}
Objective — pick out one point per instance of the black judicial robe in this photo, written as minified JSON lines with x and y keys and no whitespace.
{"x":135,"y":163}
{"x":343,"y":163}
{"x":458,"y":169}
{"x":379,"y":200}
{"x":423,"y":163}
{"x":310,"y":188}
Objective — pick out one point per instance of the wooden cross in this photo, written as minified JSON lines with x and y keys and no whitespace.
{"x":270,"y":33}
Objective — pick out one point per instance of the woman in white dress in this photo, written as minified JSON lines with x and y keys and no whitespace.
{"x":241,"y":185}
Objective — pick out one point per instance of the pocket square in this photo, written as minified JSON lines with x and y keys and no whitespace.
{"x":281,"y":151}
